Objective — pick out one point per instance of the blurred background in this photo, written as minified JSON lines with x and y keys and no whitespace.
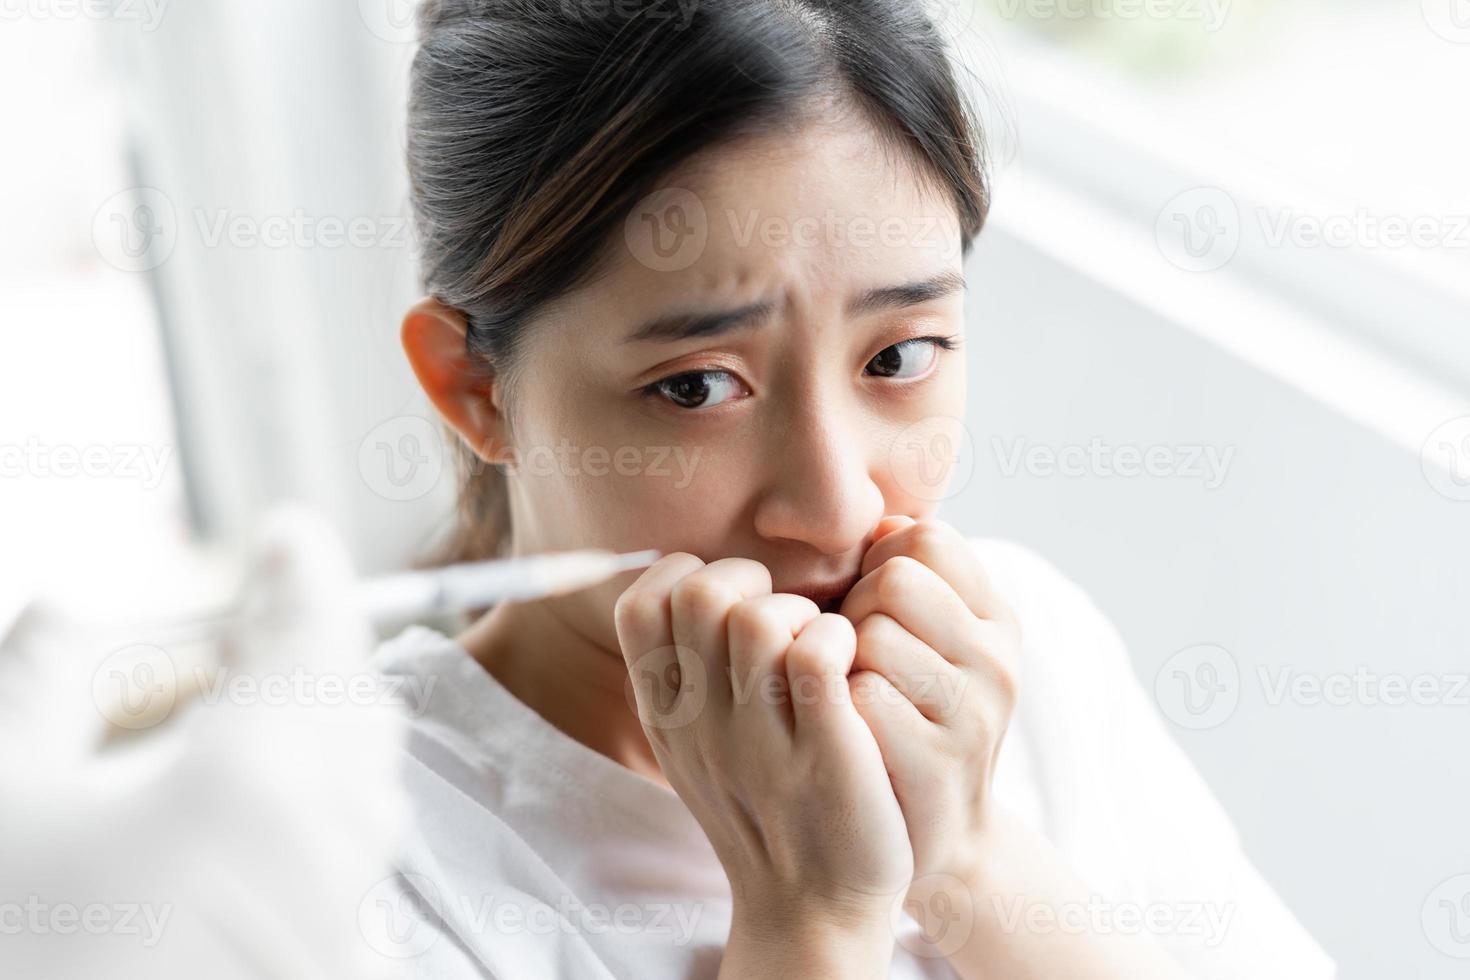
{"x":1220,"y":330}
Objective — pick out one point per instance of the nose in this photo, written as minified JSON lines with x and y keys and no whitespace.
{"x":821,"y":490}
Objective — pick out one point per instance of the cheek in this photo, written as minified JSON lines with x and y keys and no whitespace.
{"x":928,"y":451}
{"x":680,"y":497}
{"x":633,"y":495}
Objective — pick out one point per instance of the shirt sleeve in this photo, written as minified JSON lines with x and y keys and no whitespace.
{"x":1123,"y":802}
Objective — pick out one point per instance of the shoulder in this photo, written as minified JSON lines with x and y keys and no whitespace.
{"x":415,"y":650}
{"x":1060,"y":623}
{"x":1023,"y":577}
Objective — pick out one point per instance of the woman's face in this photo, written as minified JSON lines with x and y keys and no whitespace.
{"x":766,"y":378}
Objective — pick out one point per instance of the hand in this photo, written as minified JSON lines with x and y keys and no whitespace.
{"x":743,"y":695}
{"x":251,"y":822}
{"x":935,"y":677}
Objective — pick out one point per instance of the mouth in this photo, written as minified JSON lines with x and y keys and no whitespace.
{"x":827,"y":595}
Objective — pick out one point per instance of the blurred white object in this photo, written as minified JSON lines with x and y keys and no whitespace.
{"x":238,"y":834}
{"x":472,"y":585}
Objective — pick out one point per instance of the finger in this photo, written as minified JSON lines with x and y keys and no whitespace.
{"x":902,"y":733}
{"x":760,"y":631}
{"x":699,"y":608}
{"x":641,"y":617}
{"x":929,"y":682}
{"x":889,"y":524}
{"x":921,"y":602}
{"x":939,"y":546}
{"x":817,"y":663}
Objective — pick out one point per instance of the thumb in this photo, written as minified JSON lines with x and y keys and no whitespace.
{"x":891,"y":523}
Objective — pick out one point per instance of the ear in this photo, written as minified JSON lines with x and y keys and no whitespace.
{"x":433,"y":337}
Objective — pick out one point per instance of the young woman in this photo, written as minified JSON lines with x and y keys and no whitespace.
{"x":696,"y":275}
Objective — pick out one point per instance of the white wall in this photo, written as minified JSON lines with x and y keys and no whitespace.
{"x":1324,"y":548}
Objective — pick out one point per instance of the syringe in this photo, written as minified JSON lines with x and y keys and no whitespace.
{"x":405,"y":596}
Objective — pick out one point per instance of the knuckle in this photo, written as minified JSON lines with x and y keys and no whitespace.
{"x":700,"y":596}
{"x":737,"y":572}
{"x":812,"y":657}
{"x":996,"y":689}
{"x":833,"y":632}
{"x":897,"y":576}
{"x":931,"y":536}
{"x":1007,"y":683}
{"x":638,"y":613}
{"x":740,"y":565}
{"x":876,"y":628}
{"x":754,"y":623}
{"x":806,"y":658}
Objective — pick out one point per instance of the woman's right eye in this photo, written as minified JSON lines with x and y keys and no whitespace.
{"x":697,"y":389}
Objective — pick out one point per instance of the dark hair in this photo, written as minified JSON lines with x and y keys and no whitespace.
{"x":535,"y":127}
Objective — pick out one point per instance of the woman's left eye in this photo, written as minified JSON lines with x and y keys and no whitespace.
{"x":908,"y":359}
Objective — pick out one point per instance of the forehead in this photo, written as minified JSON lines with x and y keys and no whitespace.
{"x":811,"y":212}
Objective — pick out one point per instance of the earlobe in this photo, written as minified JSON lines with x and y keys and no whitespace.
{"x":433,"y":337}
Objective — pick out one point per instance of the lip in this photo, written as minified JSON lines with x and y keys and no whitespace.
{"x":827,"y":595}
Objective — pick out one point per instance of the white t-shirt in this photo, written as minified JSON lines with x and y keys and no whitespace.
{"x":535,"y":856}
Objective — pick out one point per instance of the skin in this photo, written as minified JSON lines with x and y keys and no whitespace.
{"x":838,"y":755}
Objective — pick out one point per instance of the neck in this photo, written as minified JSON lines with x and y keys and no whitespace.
{"x":578,"y":684}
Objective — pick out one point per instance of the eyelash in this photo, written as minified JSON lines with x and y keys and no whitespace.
{"x":943,"y":343}
{"x":652,"y":390}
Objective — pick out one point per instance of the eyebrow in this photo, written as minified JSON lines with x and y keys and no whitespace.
{"x":909,"y":294}
{"x":688,"y":326}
